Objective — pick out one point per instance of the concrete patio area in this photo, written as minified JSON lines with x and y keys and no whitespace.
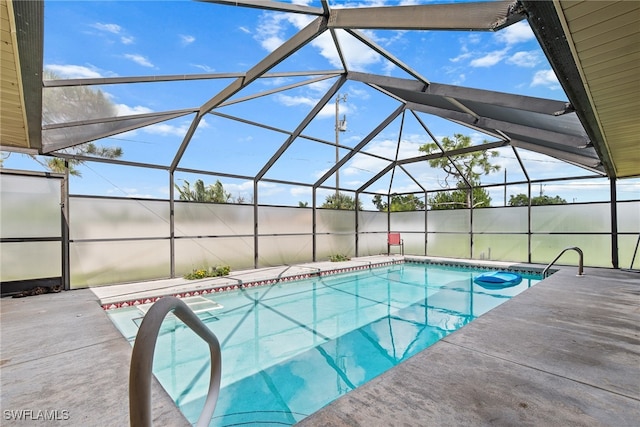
{"x":565,"y":352}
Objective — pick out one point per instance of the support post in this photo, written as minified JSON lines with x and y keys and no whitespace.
{"x":613,"y":203}
{"x":172,"y":225}
{"x":64,"y":204}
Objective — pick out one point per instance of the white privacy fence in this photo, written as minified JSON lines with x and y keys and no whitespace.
{"x":117,"y":240}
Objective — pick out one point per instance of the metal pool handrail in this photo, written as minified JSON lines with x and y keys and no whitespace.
{"x":140,"y":373}
{"x":580,"y":264}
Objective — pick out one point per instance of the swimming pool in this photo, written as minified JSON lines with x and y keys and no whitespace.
{"x":291,"y":348}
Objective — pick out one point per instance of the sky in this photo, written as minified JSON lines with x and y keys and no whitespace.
{"x":90,"y":39}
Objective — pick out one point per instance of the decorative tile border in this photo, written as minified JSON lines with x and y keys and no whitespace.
{"x":360,"y":267}
{"x":254,"y":284}
{"x":138,"y":301}
{"x":463,"y":265}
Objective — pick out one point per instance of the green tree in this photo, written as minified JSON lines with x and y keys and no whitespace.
{"x":399,"y":203}
{"x":341,"y":201}
{"x":71,"y":104}
{"x":212,"y":193}
{"x":458,"y":199}
{"x":523,"y":200}
{"x":303,"y":204}
{"x":462,"y":168}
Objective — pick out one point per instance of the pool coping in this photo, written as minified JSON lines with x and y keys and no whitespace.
{"x":127,"y":295}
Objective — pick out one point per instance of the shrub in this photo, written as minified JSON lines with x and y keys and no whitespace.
{"x":201,"y":273}
{"x":338,"y":258}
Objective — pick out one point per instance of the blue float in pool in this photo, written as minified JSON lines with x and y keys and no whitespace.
{"x":498,"y":279}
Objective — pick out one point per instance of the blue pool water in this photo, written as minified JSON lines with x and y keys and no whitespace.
{"x":291,"y":348}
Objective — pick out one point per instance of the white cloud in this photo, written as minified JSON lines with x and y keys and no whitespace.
{"x":490,"y":59}
{"x":244,"y":30}
{"x":187,"y":39}
{"x":329,"y":110}
{"x":359,"y":56}
{"x":266,"y":188}
{"x":384,"y":148}
{"x":131,"y":192}
{"x":524,"y":59}
{"x":463,"y":56}
{"x":125,"y":110}
{"x":75,"y":71}
{"x":388,"y":68}
{"x":459,"y":79}
{"x":205,"y":68}
{"x":300,"y":191}
{"x":546,"y":78}
{"x":516,"y":33}
{"x":139,"y":59}
{"x":234,"y":188}
{"x":110,"y":28}
{"x":275,"y":81}
{"x":114,"y":29}
{"x":465,"y":52}
{"x":320,"y":87}
{"x":291,"y":101}
{"x":272,"y":32}
{"x":165,"y":129}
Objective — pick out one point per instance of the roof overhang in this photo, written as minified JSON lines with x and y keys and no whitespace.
{"x":594,"y":49}
{"x":21,"y":33}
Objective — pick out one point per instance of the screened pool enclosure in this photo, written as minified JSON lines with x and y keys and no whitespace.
{"x":313,"y":120}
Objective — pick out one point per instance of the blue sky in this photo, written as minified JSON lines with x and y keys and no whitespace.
{"x":89,"y":39}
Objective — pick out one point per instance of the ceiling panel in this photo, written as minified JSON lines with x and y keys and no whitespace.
{"x":13,"y":123}
{"x":611,"y":75}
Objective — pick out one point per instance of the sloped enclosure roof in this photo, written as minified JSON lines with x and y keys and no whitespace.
{"x":596,"y":130}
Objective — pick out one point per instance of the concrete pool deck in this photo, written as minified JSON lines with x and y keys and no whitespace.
{"x":564,"y":352}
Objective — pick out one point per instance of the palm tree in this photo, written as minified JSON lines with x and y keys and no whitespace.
{"x":212,"y":193}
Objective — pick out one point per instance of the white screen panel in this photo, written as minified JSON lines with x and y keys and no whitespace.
{"x":594,"y":217}
{"x":407,"y":221}
{"x":98,"y":218}
{"x":280,"y":220}
{"x":372,"y":244}
{"x":626,"y":247}
{"x":30,"y":260}
{"x":284,"y":250}
{"x":506,"y":220}
{"x":327,"y":245}
{"x":335,"y":221}
{"x":629,"y":217}
{"x":448,"y":220}
{"x":236,"y":252}
{"x":448,"y":245}
{"x":372,"y":221}
{"x":107,"y":263}
{"x":414,"y":243}
{"x":596,"y":249}
{"x":211,"y":219}
{"x":29,"y":207}
{"x":500,"y":247}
